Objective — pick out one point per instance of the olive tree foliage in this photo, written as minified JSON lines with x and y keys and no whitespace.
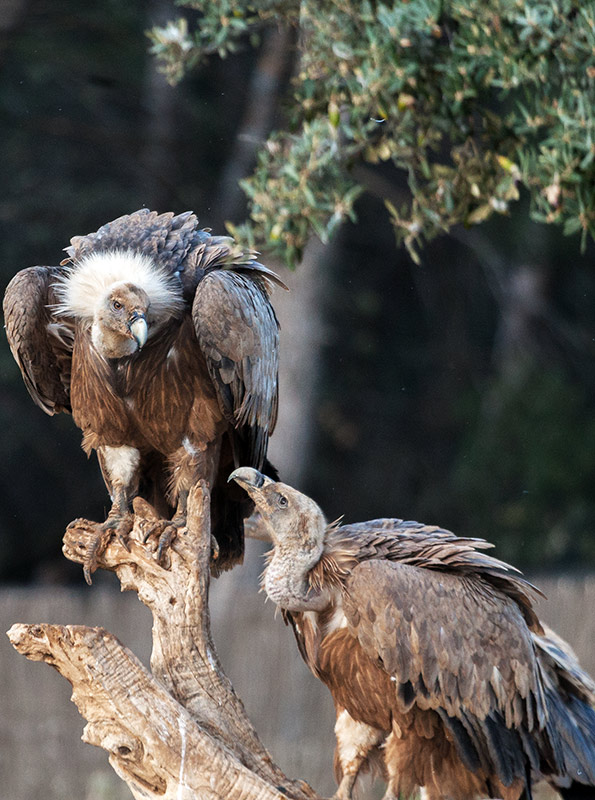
{"x":446,"y":108}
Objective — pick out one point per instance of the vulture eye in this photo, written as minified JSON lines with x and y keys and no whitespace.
{"x":282,"y":501}
{"x":116,"y":304}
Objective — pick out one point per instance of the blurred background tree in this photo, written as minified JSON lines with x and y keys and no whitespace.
{"x":454,"y":381}
{"x":466,"y":101}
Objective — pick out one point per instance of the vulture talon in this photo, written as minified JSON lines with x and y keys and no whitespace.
{"x":115,"y":525}
{"x":164,"y":532}
{"x":153,"y":530}
{"x":166,"y":539}
{"x":98,"y":544}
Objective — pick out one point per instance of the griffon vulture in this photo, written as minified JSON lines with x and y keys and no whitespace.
{"x":161,"y":341}
{"x":437,"y":663}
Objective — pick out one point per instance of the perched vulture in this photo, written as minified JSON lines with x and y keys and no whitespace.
{"x":438,"y":666}
{"x":161,"y":341}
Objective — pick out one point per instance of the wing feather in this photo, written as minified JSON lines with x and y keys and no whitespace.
{"x":458,"y":645}
{"x":238,"y":333}
{"x":497,"y":661}
{"x":40,"y":342}
{"x":439,"y":550}
{"x":571,"y":693}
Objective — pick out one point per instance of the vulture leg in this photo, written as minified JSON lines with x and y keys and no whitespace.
{"x":355,"y":742}
{"x":187,"y":466}
{"x":119,"y":466}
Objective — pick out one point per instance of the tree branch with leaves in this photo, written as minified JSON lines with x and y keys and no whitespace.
{"x":461,"y":106}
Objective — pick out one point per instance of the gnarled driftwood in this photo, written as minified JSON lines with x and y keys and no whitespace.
{"x":179,"y":731}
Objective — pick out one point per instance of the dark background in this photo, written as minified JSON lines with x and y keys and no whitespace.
{"x":459,"y":392}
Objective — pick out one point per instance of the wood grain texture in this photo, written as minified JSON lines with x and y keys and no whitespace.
{"x":179,"y":730}
{"x":153,"y":744}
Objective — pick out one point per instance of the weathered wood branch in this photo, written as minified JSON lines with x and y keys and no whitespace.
{"x":154,"y":744}
{"x":180,"y":730}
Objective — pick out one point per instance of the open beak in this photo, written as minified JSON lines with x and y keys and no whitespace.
{"x":138,"y":328}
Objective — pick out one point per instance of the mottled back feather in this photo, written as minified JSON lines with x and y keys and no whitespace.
{"x":176,"y":243}
{"x":427,"y":546}
{"x":163,"y":237}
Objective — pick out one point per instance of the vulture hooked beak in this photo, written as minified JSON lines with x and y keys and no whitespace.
{"x":249,"y":479}
{"x":138,"y":328}
{"x":252,"y":481}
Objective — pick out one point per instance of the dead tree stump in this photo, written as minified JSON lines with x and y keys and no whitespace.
{"x":178,"y":731}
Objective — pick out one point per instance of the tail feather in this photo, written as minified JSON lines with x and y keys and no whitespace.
{"x":575,"y":722}
{"x":570,"y":695}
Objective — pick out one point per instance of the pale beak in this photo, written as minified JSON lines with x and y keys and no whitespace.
{"x":249,"y":478}
{"x":138,"y":329}
{"x":253,"y":481}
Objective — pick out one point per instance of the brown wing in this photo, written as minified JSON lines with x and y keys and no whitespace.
{"x":460,"y":647}
{"x":435,"y":548}
{"x":41,"y":345}
{"x":239,"y":336}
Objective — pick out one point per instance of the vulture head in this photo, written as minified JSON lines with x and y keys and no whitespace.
{"x":124,"y":296}
{"x":297,"y":528}
{"x":120,"y":320}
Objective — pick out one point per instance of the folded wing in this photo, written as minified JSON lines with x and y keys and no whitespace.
{"x":40,"y":343}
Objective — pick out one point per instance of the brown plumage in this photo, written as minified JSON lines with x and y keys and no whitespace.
{"x":161,"y":341}
{"x":437,"y":663}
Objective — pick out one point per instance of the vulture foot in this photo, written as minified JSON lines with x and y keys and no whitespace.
{"x":118,"y":525}
{"x":165,"y":532}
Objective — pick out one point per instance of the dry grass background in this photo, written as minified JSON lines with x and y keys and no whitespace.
{"x":42,"y":757}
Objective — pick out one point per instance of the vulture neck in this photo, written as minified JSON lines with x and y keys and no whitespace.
{"x":287,"y":583}
{"x":307,"y":580}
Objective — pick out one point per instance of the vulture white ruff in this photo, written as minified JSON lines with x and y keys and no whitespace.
{"x":81,"y":286}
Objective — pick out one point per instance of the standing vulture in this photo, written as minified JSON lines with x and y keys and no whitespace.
{"x":161,"y":341}
{"x":439,"y":669}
